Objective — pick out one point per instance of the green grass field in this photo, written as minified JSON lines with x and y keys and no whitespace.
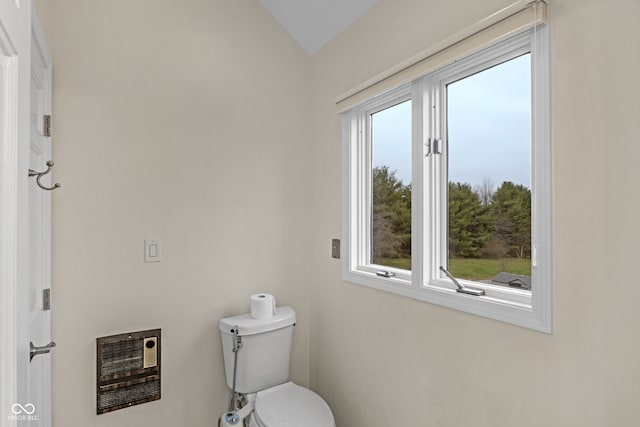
{"x":471,"y":268}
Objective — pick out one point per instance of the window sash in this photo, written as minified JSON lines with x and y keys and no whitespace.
{"x":439,"y":185}
{"x":361,"y":168}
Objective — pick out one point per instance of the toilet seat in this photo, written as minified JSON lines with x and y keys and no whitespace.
{"x":289,"y":405}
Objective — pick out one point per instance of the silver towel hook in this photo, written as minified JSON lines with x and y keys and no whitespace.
{"x":39,"y":176}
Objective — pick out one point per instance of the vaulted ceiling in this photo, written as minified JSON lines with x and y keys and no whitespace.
{"x":314,"y":23}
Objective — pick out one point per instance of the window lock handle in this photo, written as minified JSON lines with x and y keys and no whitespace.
{"x":385,"y":273}
{"x":434,"y":146}
{"x":460,"y":287}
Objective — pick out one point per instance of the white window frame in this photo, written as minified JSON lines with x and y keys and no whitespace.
{"x":531,"y":309}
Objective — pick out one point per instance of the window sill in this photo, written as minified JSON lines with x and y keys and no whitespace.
{"x":491,"y":306}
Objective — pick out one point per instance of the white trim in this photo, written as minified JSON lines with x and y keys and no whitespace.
{"x":8,"y":227}
{"x":542,"y":203}
{"x":14,"y":135}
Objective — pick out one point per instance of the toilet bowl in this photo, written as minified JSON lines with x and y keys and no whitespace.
{"x":289,"y":405}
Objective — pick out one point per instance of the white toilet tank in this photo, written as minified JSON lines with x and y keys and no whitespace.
{"x":263,"y":360}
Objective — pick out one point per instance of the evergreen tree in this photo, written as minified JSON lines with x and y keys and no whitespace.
{"x":482,"y":223}
{"x":470,"y":223}
{"x":391,"y":216}
{"x":511,"y":207}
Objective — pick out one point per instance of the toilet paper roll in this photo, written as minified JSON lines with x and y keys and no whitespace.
{"x":263,"y":306}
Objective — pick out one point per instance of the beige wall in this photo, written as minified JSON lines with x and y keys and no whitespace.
{"x":185,"y":121}
{"x":381,"y":359}
{"x":194,"y":122}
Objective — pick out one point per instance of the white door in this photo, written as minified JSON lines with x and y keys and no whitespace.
{"x":24,"y":219}
{"x":39,"y":254}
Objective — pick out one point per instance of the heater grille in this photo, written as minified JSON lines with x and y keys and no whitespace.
{"x":121,"y":356}
{"x":128,"y":396}
{"x":128,"y":370}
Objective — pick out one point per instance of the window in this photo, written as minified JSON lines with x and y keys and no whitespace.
{"x":447,"y":185}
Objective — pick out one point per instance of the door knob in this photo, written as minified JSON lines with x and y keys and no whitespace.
{"x":34,"y":351}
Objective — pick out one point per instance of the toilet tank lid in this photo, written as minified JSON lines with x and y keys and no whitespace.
{"x":247,"y":325}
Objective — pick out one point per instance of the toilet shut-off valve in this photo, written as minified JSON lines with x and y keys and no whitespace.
{"x":233,"y":418}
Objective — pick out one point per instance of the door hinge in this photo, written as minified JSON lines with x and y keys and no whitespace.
{"x":47,"y":125}
{"x":46,"y":299}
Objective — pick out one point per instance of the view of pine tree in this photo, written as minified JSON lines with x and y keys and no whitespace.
{"x":470,"y":222}
{"x":511,"y":207}
{"x":391,"y":216}
{"x":483,"y":223}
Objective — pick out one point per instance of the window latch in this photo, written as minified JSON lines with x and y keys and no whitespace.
{"x":434,"y":146}
{"x":385,"y":273}
{"x":461,"y":288}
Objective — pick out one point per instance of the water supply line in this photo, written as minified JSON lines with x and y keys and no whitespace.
{"x":237,"y":345}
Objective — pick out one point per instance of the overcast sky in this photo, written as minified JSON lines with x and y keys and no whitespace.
{"x":489,"y":128}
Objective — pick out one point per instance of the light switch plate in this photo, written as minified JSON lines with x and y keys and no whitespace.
{"x":152,"y":250}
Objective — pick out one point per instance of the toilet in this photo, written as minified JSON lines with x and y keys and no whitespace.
{"x":262,"y":372}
